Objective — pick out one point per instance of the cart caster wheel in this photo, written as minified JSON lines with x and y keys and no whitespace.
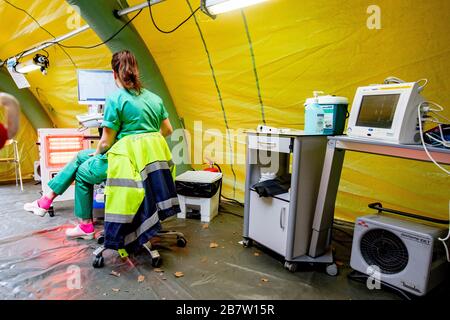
{"x":181,"y":242}
{"x":156,"y":262}
{"x":291,"y":266}
{"x":332,"y":270}
{"x":101,"y":240}
{"x":247,"y":243}
{"x":99,"y":262}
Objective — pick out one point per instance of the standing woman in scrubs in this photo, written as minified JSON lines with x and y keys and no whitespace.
{"x":128,"y":111}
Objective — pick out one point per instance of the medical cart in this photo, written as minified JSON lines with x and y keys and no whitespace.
{"x":283,"y":223}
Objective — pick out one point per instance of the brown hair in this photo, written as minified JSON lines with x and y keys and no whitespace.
{"x":125,"y":65}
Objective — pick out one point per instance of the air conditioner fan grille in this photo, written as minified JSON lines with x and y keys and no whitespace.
{"x":384,"y":249}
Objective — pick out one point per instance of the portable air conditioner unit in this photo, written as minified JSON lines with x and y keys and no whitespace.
{"x":408,"y":255}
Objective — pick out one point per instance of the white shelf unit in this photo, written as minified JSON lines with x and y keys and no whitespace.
{"x":284,"y":223}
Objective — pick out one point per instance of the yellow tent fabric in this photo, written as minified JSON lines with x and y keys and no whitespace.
{"x":260,"y":64}
{"x":57,"y":91}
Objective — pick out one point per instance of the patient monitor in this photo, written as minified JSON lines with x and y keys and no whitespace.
{"x":387,"y":113}
{"x":94,"y":86}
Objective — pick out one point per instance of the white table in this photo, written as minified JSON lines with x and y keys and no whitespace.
{"x":329,"y":183}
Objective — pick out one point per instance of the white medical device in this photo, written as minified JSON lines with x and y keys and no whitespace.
{"x":386,"y":112}
{"x":94,"y":86}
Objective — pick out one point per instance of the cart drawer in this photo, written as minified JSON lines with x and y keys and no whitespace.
{"x":270,"y":143}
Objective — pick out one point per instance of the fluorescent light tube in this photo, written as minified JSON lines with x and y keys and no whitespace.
{"x":215,"y":7}
{"x":27,"y":67}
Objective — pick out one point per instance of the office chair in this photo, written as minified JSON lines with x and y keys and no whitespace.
{"x":149,"y":247}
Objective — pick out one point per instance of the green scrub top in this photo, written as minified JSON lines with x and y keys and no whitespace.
{"x":129,"y":113}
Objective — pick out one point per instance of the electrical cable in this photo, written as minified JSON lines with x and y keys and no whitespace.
{"x":360,"y":277}
{"x":443,"y":240}
{"x":389,"y":80}
{"x":174,"y":29}
{"x":40,"y":26}
{"x":222,"y":211}
{"x":220,"y":193}
{"x":101,"y":43}
{"x":233,"y":200}
{"x":419,"y":112}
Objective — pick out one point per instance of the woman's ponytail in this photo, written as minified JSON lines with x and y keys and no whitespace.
{"x":125,"y":65}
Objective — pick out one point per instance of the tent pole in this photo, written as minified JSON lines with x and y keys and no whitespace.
{"x":52,"y":42}
{"x":72,"y":34}
{"x":137,"y":7}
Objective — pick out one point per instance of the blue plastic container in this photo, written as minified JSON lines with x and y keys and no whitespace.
{"x":335,"y":112}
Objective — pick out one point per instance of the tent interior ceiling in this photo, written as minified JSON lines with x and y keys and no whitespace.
{"x":259,"y":65}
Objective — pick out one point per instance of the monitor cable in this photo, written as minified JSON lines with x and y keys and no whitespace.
{"x":423,"y":108}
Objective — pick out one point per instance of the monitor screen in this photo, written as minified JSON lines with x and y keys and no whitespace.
{"x":94,"y":86}
{"x":377,"y":111}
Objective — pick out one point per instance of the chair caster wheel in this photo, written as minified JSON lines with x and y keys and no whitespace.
{"x":247,"y":243}
{"x":332,"y":270}
{"x":181,"y":242}
{"x":101,"y":240}
{"x":99,"y":262}
{"x":156,"y":262}
{"x":291,"y":266}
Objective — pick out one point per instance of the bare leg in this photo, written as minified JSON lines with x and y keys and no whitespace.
{"x":51,"y":195}
{"x":86,"y":221}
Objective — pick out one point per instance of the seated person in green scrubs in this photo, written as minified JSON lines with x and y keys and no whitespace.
{"x":128,"y":111}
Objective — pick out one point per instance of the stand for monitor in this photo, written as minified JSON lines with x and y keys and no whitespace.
{"x":94,"y":117}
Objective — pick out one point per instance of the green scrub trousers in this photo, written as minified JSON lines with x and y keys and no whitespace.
{"x":86,"y":171}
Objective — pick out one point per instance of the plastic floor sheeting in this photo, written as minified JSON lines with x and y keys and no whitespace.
{"x":38,"y":262}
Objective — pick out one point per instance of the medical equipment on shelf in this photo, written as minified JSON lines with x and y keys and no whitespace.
{"x":93,"y":88}
{"x":272,"y":130}
{"x":387,"y":112}
{"x":399,"y":252}
{"x":57,"y":147}
{"x":90,"y":120}
{"x":325,"y":114}
{"x":314,"y":117}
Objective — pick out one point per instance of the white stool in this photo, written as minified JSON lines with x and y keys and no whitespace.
{"x":208,"y":207}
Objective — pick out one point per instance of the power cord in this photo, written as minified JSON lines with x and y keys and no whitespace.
{"x":174,"y":29}
{"x":444,"y":240}
{"x":423,"y":108}
{"x":98,"y":44}
{"x":389,"y":80}
{"x":40,"y":26}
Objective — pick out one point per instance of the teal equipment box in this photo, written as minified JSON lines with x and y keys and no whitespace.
{"x":335,"y":110}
